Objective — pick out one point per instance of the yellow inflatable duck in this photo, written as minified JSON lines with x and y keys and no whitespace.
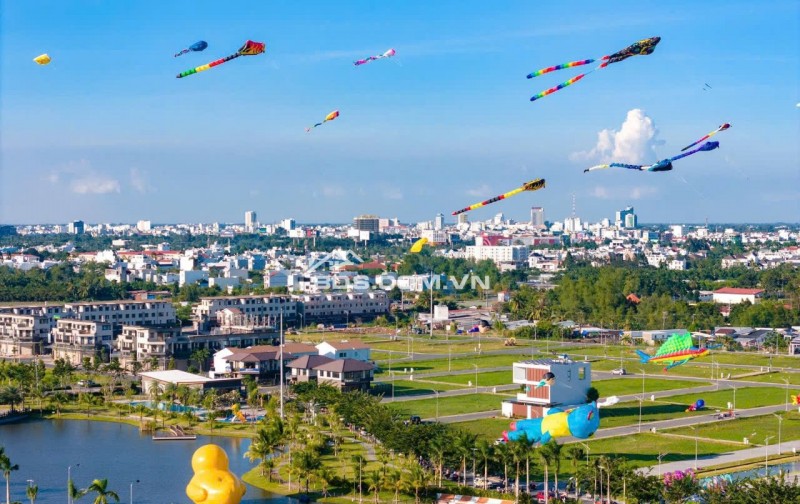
{"x":212,"y":482}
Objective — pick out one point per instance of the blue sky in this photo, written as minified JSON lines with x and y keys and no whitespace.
{"x":106,"y":133}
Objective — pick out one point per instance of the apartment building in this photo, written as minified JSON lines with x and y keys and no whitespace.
{"x":23,"y":335}
{"x":149,"y":312}
{"x":75,"y":339}
{"x":342,"y":305}
{"x":264,"y":307}
{"x":143,"y":343}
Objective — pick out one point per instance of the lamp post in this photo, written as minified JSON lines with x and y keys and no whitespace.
{"x":476,"y":377}
{"x":766,"y":455}
{"x":641,"y":400}
{"x":695,"y":446}
{"x":437,"y":403}
{"x":661,"y":456}
{"x":587,"y":452}
{"x":473,"y":467}
{"x":132,"y":482}
{"x":69,"y":483}
{"x":780,"y":425}
{"x":786,"y":407}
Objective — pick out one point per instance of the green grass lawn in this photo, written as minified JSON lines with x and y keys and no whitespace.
{"x":454,"y":405}
{"x":793,"y":378}
{"x":627,"y":413}
{"x":633,"y":385}
{"x":642,"y":449}
{"x":405,"y":387}
{"x":746,"y":397}
{"x":739,"y":428}
{"x":456,"y":364}
{"x":489,"y":379}
{"x":486,"y":428}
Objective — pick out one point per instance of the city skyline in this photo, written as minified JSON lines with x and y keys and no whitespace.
{"x":105,"y":133}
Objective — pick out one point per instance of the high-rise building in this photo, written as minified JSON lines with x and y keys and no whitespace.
{"x":537,"y":216}
{"x":288,"y":224}
{"x":621,"y":221}
{"x":367,"y":223}
{"x":75,"y":227}
{"x":463,"y":218}
{"x":438,"y":222}
{"x":250,"y":221}
{"x":144,"y":226}
{"x":630,"y":221}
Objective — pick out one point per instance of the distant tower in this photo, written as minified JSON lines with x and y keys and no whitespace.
{"x":438,"y":222}
{"x":463,"y":218}
{"x":250,"y":221}
{"x":75,"y":227}
{"x":626,"y":219}
{"x":537,"y":216}
{"x":574,"y":206}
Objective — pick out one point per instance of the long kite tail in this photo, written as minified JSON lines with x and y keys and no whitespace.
{"x":705,"y":147}
{"x":366,"y":60}
{"x":562,"y":66}
{"x":614,"y":165}
{"x":182,"y":52}
{"x":491,"y":200}
{"x":721,"y":128}
{"x":205,"y":67}
{"x":312,"y":127}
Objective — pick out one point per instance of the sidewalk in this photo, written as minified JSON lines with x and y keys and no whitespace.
{"x":725,"y":458}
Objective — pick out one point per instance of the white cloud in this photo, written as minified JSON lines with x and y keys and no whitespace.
{"x":81,"y":178}
{"x":634,"y":143}
{"x":481,"y":191}
{"x":333,"y":191}
{"x":393,"y":193}
{"x":622,"y":193}
{"x":139,"y":181}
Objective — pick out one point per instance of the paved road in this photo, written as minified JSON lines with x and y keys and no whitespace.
{"x":725,"y":458}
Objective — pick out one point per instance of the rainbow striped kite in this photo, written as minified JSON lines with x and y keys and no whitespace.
{"x":721,"y":128}
{"x":533,"y":185}
{"x":249,"y":48}
{"x":640,"y":48}
{"x":678,"y":349}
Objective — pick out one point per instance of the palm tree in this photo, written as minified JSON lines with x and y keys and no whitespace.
{"x":417,"y":478}
{"x":575,"y":454}
{"x":485,"y":452}
{"x":396,"y":483}
{"x":503,"y":455}
{"x":200,"y":356}
{"x":546,"y":456}
{"x":324,"y":475}
{"x":74,"y":492}
{"x":32,"y":492}
{"x":555,"y":453}
{"x":58,"y":400}
{"x":464,"y":443}
{"x":438,"y":449}
{"x":6,"y":466}
{"x":100,"y":486}
{"x":374,"y":480}
{"x":11,"y":395}
{"x":359,"y":462}
{"x":261,"y":449}
{"x":307,"y":462}
{"x":519,"y":452}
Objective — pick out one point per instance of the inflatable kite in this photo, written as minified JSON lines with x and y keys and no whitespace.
{"x":249,"y":48}
{"x":387,"y":54}
{"x":795,"y":399}
{"x":697,"y":406}
{"x":641,"y":48}
{"x":580,"y":422}
{"x":212,"y":482}
{"x":42,"y":59}
{"x":663,"y":165}
{"x":721,"y":128}
{"x":417,"y":247}
{"x":533,"y":185}
{"x":548,"y":379}
{"x":197,"y":47}
{"x":330,"y":117}
{"x":678,"y":349}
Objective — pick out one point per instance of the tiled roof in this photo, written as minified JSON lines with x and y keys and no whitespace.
{"x":345,"y":366}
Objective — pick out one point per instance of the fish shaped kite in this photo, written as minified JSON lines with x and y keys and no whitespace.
{"x":721,"y":128}
{"x":663,"y":165}
{"x":330,"y":117}
{"x":387,"y":54}
{"x":249,"y":48}
{"x":580,"y":422}
{"x":533,"y":185}
{"x":197,"y":47}
{"x":640,"y":48}
{"x":678,"y":349}
{"x":417,"y":247}
{"x":42,"y":59}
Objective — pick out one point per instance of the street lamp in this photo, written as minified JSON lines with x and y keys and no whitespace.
{"x":473,"y":467}
{"x":437,"y":403}
{"x":786,"y":407}
{"x":132,"y":482}
{"x":661,"y":456}
{"x":587,"y":452}
{"x":695,"y":446}
{"x":476,"y":377}
{"x":766,"y":455}
{"x":780,"y":424}
{"x":69,"y":483}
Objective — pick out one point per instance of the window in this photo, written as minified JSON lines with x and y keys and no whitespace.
{"x":582,"y":373}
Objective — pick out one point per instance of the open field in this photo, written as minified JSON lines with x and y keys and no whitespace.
{"x":740,"y":428}
{"x":746,"y":397}
{"x":489,"y":379}
{"x":405,"y":387}
{"x":486,"y":428}
{"x":643,"y":449}
{"x":439,"y":365}
{"x":633,"y":385}
{"x":454,"y":405}
{"x":627,"y":413}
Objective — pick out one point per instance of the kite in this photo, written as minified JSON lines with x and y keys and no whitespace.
{"x":707,"y":87}
{"x":197,"y":46}
{"x":795,"y":399}
{"x":697,"y":406}
{"x":330,"y":117}
{"x":387,"y":54}
{"x":663,"y":165}
{"x":640,"y":48}
{"x":533,"y":185}
{"x":417,"y":247}
{"x":42,"y":59}
{"x":678,"y":349}
{"x":548,"y":379}
{"x":721,"y":128}
{"x":580,"y":422}
{"x":249,"y":48}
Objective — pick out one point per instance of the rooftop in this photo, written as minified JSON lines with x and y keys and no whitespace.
{"x":175,"y":376}
{"x":346,"y":366}
{"x":736,"y":290}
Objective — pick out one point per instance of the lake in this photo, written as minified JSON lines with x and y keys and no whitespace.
{"x":44,"y":449}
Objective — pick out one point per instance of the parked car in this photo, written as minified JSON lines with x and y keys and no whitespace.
{"x":619,"y":371}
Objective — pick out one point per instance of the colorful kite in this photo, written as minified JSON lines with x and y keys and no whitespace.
{"x":197,"y":46}
{"x":387,"y":54}
{"x":42,"y":59}
{"x":663,"y":165}
{"x":678,"y":349}
{"x":548,"y":379}
{"x":580,"y":422}
{"x":721,"y":128}
{"x":641,"y":48}
{"x":330,"y":117}
{"x":533,"y":185}
{"x":249,"y":48}
{"x":417,"y":247}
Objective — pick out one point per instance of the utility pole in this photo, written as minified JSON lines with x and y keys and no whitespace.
{"x":280,"y":370}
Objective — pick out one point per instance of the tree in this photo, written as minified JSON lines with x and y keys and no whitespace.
{"x":374,"y":483}
{"x":485,"y":452}
{"x":546,"y":456}
{"x":32,"y":492}
{"x":100,"y":487}
{"x":555,"y":453}
{"x":200,"y":356}
{"x":324,"y":475}
{"x":11,"y":395}
{"x":7,"y":467}
{"x":592,"y":394}
{"x":307,"y":462}
{"x":417,"y":478}
{"x":464,"y":443}
{"x":575,"y":454}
